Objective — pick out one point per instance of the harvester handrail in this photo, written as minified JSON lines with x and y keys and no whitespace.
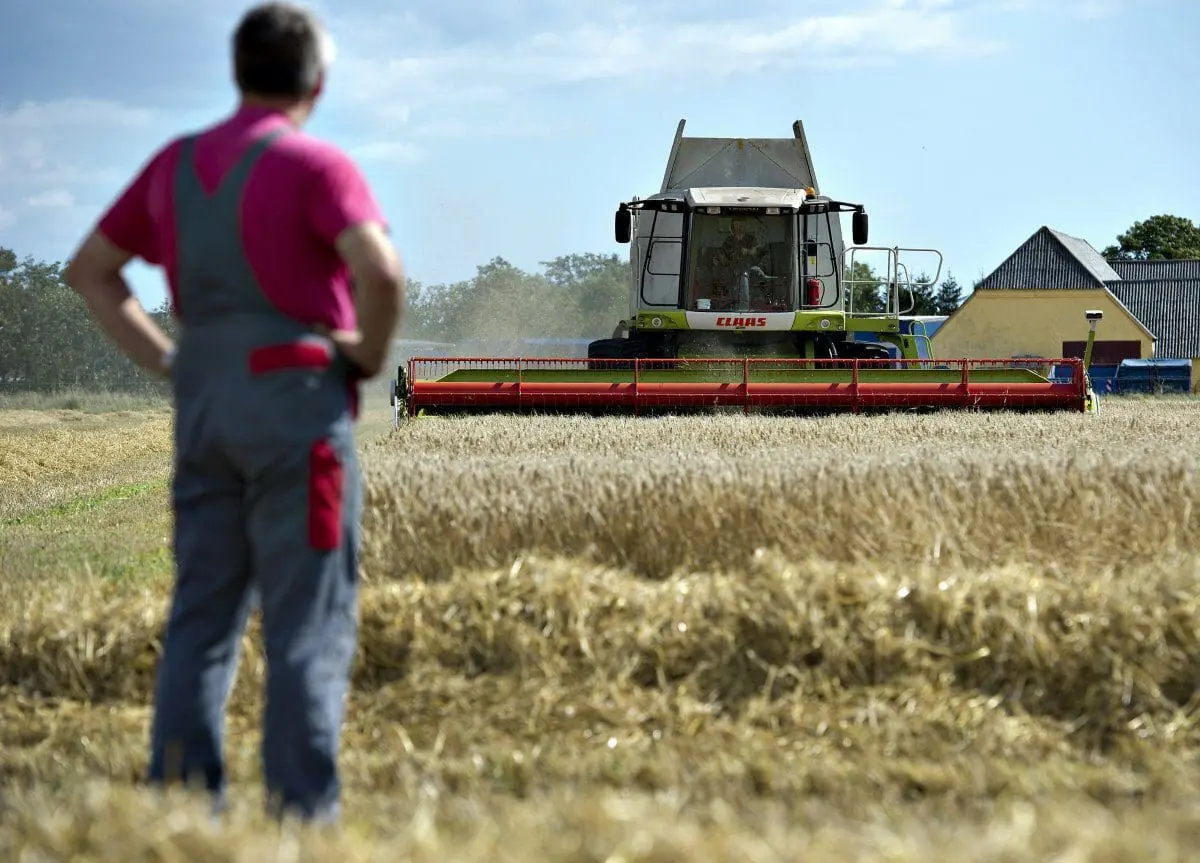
{"x":891,"y":281}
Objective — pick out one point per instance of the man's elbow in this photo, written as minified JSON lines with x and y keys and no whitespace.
{"x":74,"y":275}
{"x":82,"y":277}
{"x":94,"y":267}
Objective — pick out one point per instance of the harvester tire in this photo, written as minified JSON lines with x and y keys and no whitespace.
{"x":637,"y":347}
{"x":400,"y":390}
{"x":607,"y":350}
{"x":852,"y":350}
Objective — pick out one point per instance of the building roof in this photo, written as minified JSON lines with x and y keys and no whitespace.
{"x":1162,"y":296}
{"x":1086,"y":255}
{"x":1051,"y":260}
{"x":1170,"y":308}
{"x":1187,"y":268}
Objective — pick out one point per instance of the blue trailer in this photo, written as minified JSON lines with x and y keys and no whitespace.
{"x":1154,"y":376}
{"x":1136,"y":376}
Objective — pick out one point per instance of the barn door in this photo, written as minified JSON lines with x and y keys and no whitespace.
{"x":1105,"y":352}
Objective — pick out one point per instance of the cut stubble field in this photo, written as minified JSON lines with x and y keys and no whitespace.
{"x":907,"y":637}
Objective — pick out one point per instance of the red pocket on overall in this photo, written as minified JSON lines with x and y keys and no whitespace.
{"x":325,"y":477}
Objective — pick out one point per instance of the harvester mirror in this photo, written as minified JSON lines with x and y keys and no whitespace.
{"x":859,"y":224}
{"x":810,"y":249}
{"x":623,"y":225}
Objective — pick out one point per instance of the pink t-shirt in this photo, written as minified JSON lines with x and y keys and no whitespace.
{"x":301,"y":194}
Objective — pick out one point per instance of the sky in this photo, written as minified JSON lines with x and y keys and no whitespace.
{"x":513,"y":128}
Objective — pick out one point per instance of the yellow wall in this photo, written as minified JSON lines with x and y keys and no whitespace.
{"x":1003,"y":324}
{"x":1196,"y":375}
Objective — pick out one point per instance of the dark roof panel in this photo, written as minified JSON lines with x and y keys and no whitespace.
{"x":1169,"y":308}
{"x":1188,"y":268}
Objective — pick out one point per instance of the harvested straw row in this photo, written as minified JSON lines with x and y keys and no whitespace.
{"x":524,"y":738}
{"x":891,"y":744}
{"x":73,"y":450}
{"x":1114,"y":653}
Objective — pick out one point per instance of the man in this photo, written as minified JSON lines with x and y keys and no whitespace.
{"x":260,"y":230}
{"x":740,"y":253}
{"x":741,"y":250}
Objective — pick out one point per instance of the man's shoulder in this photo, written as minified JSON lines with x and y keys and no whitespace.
{"x":314,"y":154}
{"x":161,"y":159}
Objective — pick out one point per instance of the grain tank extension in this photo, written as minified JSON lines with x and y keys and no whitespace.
{"x":743,"y":293}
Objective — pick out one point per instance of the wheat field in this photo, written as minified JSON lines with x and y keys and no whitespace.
{"x":889,"y":638}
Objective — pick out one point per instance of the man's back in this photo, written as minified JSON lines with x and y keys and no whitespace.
{"x":301,"y":194}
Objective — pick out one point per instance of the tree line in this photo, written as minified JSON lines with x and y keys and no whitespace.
{"x":49,"y":342}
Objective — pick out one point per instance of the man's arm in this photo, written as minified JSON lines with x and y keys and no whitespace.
{"x":343,"y":212}
{"x":95,"y":273}
{"x":379,"y":294}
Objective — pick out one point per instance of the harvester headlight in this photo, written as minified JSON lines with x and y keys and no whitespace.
{"x":656,"y":322}
{"x":824,"y":323}
{"x":1094,"y":314}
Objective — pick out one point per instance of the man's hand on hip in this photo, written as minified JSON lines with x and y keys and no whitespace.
{"x":350,"y":343}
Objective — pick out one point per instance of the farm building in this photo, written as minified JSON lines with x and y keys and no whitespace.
{"x":1033,"y":305}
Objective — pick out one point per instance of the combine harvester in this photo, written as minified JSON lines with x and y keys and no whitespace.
{"x":741,"y":296}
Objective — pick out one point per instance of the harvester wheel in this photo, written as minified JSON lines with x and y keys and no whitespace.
{"x":400,"y":388}
{"x":607,"y":350}
{"x":853,"y":350}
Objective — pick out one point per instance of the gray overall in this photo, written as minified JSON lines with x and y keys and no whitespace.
{"x":266,"y":495}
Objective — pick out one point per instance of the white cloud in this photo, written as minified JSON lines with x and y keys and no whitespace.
{"x":52,"y":198}
{"x":387,"y":151}
{"x":649,"y":44}
{"x":1086,"y":9}
{"x":71,"y":114}
{"x":53,"y":143}
{"x":60,"y":161}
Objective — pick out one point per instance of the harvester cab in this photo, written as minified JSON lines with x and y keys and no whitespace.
{"x":744,"y":294}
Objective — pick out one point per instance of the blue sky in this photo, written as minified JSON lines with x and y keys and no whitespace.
{"x":513,"y":128}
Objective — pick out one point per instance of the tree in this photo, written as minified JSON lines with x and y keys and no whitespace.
{"x":1157,"y":238}
{"x":924,"y":300}
{"x":862,"y":288}
{"x":594,"y":287}
{"x":948,"y":296}
{"x":48,"y":339}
